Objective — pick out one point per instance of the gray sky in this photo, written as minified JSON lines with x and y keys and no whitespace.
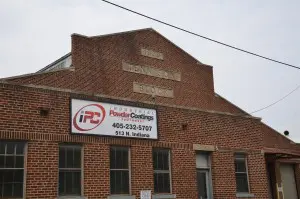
{"x":35,"y":33}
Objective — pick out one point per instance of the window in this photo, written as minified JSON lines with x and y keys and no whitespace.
{"x":241,"y":173}
{"x":11,"y":169}
{"x":119,"y":170}
{"x":204,"y":183}
{"x":69,"y":170}
{"x":161,"y":165}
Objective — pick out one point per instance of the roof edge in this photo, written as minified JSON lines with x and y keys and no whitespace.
{"x":233,"y":104}
{"x":145,"y":29}
{"x":292,"y":142}
{"x":79,"y":35}
{"x":55,"y":62}
{"x":37,"y":73}
{"x":111,"y":34}
{"x":197,"y":61}
{"x":123,"y":32}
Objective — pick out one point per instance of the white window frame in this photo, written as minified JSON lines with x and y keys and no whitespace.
{"x":208,"y":169}
{"x":245,"y":158}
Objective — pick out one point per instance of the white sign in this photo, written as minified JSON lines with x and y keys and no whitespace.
{"x":97,"y":118}
{"x":146,"y":194}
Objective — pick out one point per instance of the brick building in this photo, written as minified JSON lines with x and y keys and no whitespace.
{"x":128,"y":113}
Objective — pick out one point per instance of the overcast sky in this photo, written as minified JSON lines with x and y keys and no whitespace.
{"x":34,"y":33}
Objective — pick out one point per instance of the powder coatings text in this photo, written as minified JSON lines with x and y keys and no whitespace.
{"x":97,"y":118}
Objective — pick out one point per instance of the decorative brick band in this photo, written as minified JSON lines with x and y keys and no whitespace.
{"x":151,"y":71}
{"x":18,"y":135}
{"x":152,"y":90}
{"x":152,"y":54}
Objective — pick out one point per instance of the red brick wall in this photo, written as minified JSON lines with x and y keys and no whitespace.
{"x":20,"y":119}
{"x":273,"y":139}
{"x":19,"y":110}
{"x":223,"y":175}
{"x":98,"y":69}
{"x":206,"y":128}
{"x":184,"y":173}
{"x":141,"y":169}
{"x":42,"y":169}
{"x":99,"y":59}
{"x":96,"y":170}
{"x":202,"y":127}
{"x":257,"y":174}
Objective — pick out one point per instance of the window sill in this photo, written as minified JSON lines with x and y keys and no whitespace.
{"x":163,"y":196}
{"x":71,"y":197}
{"x":120,"y":197}
{"x":244,"y":195}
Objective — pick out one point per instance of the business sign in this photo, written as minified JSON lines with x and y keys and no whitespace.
{"x":97,"y":118}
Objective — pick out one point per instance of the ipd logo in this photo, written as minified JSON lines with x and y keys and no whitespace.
{"x":89,"y":117}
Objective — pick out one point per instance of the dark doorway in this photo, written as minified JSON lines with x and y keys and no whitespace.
{"x":271,"y":179}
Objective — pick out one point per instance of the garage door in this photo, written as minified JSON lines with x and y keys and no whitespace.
{"x":288,"y":180}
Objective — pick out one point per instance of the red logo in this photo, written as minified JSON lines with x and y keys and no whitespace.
{"x":89,"y":117}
